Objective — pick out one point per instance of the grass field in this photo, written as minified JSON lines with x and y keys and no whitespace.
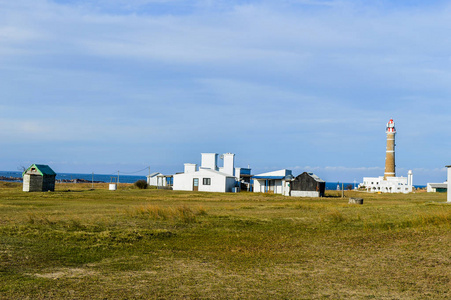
{"x":78,"y":243}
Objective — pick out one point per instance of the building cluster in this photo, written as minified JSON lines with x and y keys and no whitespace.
{"x":210,"y":177}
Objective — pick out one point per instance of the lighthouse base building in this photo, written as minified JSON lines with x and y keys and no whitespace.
{"x":388,"y":185}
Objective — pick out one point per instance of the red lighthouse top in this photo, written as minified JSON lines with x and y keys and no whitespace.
{"x":390,"y":127}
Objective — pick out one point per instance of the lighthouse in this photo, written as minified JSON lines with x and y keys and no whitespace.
{"x":390,"y":153}
{"x":389,"y":183}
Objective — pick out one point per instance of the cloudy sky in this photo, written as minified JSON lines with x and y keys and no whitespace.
{"x":308,"y":85}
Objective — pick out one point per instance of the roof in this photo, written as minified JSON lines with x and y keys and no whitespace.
{"x":288,"y":177}
{"x":315,"y":177}
{"x":438,"y":185}
{"x":42,"y":169}
{"x":279,"y":173}
{"x":154,"y":174}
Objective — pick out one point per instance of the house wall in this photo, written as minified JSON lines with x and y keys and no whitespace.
{"x":152,"y":180}
{"x":218,"y":182}
{"x":48,"y":183}
{"x":305,"y":194}
{"x":448,"y":188}
{"x":183,"y":182}
{"x":230,"y":184}
{"x":32,"y":183}
{"x":260,"y":186}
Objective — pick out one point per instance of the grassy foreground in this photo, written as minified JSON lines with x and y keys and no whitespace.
{"x":78,"y":243}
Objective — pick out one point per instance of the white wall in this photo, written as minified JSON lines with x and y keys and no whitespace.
{"x":390,"y":185}
{"x":153,"y":180}
{"x":190,"y":168}
{"x":218,"y":182}
{"x":183,"y":182}
{"x":229,"y":164}
{"x":304,"y":194}
{"x":448,"y":192}
{"x":260,"y":186}
{"x":210,"y":161}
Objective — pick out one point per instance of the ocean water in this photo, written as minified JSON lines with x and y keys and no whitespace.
{"x":89,"y":177}
{"x":133,"y":178}
{"x":122,"y":178}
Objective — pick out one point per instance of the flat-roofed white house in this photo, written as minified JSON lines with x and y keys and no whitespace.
{"x":277,"y":182}
{"x":208,"y":177}
{"x":152,"y":179}
{"x":437,"y":187}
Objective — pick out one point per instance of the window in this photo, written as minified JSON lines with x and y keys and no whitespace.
{"x":206,"y":181}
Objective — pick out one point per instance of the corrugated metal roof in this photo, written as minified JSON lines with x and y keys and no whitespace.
{"x":153,"y":174}
{"x":438,"y":185}
{"x":42,"y":169}
{"x":288,"y":177}
{"x":316,"y":177}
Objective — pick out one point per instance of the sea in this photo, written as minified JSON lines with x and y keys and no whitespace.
{"x":133,"y":178}
{"x":89,"y":177}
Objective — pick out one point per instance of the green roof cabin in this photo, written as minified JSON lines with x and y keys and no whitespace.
{"x":38,"y":178}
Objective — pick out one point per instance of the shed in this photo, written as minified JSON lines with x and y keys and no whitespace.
{"x":38,"y":178}
{"x":437,"y":187}
{"x":308,"y":185}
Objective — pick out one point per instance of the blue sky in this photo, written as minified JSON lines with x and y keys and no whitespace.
{"x":308,"y":85}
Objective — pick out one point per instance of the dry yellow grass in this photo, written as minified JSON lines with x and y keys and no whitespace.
{"x":141,"y":244}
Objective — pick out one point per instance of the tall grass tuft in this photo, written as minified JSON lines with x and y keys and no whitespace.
{"x":155,"y":212}
{"x":335,"y":216}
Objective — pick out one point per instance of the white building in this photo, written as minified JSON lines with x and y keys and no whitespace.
{"x":277,"y":182}
{"x":208,"y":177}
{"x":388,"y":185}
{"x":448,"y":181}
{"x":152,"y":179}
{"x":437,"y":187}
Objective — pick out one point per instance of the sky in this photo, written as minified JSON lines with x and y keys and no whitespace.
{"x":308,"y":85}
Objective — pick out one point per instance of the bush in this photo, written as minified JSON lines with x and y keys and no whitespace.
{"x":141,"y":184}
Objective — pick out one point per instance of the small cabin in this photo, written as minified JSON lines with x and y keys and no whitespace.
{"x":308,"y":185}
{"x":38,"y":178}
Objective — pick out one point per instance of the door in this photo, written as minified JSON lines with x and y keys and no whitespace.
{"x":195,"y":184}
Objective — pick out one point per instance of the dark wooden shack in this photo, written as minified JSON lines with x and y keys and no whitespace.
{"x":38,"y":178}
{"x":308,"y":185}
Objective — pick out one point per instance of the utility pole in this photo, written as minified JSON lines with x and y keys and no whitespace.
{"x":92,"y":181}
{"x":342,"y":190}
{"x":117,"y":178}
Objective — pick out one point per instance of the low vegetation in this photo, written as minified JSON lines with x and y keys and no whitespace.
{"x":141,"y":184}
{"x":79,"y":242}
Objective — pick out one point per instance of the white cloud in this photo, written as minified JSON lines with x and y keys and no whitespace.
{"x":316,"y":79}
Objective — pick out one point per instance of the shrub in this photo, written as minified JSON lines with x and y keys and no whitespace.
{"x":141,"y":184}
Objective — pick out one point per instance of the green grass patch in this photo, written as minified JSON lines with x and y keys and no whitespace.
{"x":147,"y":243}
